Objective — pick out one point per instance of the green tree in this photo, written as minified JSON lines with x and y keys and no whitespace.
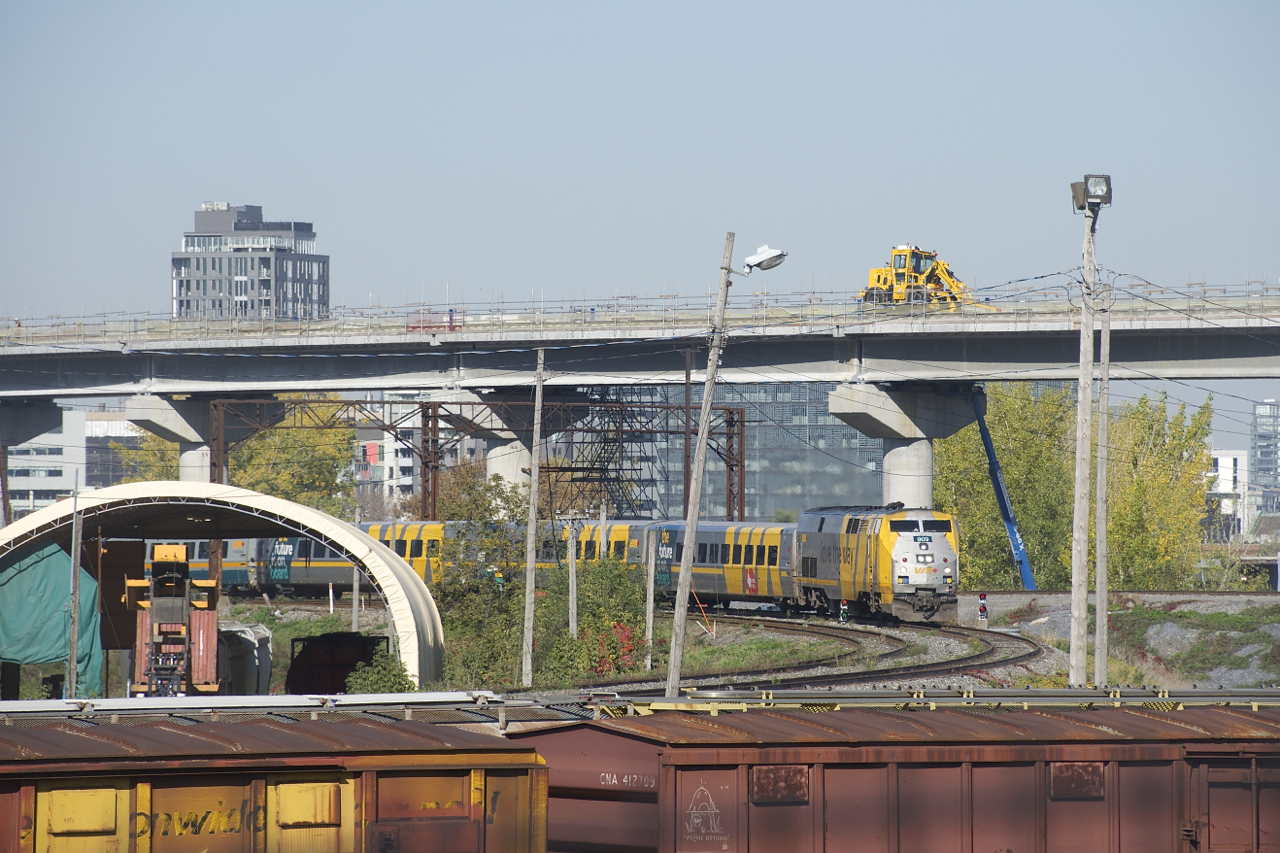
{"x":1033,"y":434}
{"x":1157,"y":483}
{"x":386,"y":674}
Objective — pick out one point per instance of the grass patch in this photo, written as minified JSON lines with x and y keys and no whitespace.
{"x":914,"y":650}
{"x":704,"y":655}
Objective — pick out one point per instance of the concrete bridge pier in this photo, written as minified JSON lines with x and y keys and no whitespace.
{"x":907,"y":417}
{"x":183,"y":421}
{"x":509,"y":429}
{"x":21,"y":422}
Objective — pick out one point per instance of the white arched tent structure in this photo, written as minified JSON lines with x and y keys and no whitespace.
{"x":173,"y":509}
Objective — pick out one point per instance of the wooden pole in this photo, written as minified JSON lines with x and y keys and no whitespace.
{"x":573,"y":579}
{"x":531,"y":535}
{"x":695,"y":489}
{"x":69,"y":683}
{"x":1078,"y":655}
{"x":1100,"y":507}
{"x":650,"y":569}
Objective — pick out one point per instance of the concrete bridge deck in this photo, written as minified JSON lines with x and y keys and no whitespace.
{"x":795,"y":337}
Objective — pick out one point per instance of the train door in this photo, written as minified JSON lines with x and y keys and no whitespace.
{"x":744,"y":560}
{"x":881,"y":565}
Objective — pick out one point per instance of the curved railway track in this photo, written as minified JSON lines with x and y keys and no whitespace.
{"x":997,"y":649}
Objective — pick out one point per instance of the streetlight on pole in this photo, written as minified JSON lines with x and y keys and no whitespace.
{"x":1088,"y":196}
{"x":764,"y":259}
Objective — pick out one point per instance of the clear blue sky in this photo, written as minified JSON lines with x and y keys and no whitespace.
{"x":588,"y":149}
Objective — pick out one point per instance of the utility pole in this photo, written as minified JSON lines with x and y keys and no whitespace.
{"x":688,"y":422}
{"x":1088,"y":196}
{"x":355,"y":597}
{"x":73,"y":653}
{"x":573,"y":579}
{"x":531,"y":535}
{"x":604,"y":535}
{"x":1101,"y":625}
{"x":695,"y":487}
{"x":650,"y":569}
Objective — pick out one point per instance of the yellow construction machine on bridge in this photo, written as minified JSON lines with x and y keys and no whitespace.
{"x":916,"y":276}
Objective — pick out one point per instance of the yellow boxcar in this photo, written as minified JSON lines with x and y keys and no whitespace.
{"x":268,"y":786}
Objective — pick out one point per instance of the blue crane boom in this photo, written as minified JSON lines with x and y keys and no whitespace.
{"x":1002,"y":497}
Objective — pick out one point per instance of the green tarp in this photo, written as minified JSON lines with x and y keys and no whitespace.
{"x":35,"y":599}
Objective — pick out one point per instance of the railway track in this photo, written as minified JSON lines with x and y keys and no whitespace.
{"x":996,"y":649}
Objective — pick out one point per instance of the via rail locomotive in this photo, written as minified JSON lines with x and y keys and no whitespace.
{"x":886,"y":560}
{"x":881,"y":560}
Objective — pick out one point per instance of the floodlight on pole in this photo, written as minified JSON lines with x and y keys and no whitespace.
{"x":764,"y":259}
{"x":1089,"y":196}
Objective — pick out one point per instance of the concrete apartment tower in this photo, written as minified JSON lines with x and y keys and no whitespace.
{"x":233,"y":264}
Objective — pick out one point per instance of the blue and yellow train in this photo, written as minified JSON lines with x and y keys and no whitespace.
{"x":880,"y":560}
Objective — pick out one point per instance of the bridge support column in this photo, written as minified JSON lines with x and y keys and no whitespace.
{"x":907,"y":418}
{"x":183,"y":421}
{"x":20,"y":422}
{"x":512,"y":461}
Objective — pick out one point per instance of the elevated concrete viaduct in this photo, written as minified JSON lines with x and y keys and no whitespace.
{"x":887,"y":361}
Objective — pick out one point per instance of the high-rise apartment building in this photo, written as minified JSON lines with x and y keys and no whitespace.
{"x":233,"y":264}
{"x":1264,"y":455}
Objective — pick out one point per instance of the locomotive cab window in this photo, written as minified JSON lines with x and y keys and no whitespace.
{"x":904,"y":525}
{"x":937,"y":525}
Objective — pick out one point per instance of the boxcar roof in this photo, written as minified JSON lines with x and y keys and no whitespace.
{"x":944,"y":726}
{"x":79,"y":738}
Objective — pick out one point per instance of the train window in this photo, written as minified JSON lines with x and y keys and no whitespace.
{"x":589,"y":549}
{"x":433,"y":547}
{"x":713,"y":553}
{"x":303,"y":550}
{"x":620,"y":549}
{"x":737,"y":555}
{"x":773,"y":555}
{"x":937,"y":525}
{"x":749,"y":554}
{"x":821,"y":523}
{"x":202,"y":553}
{"x":851,"y":525}
{"x":702,"y":553}
{"x":402,"y":547}
{"x":386,"y":542}
{"x":225,"y":546}
{"x":904,"y":525}
{"x":760,"y":556}
{"x":415,"y":549}
{"x":679,"y":551}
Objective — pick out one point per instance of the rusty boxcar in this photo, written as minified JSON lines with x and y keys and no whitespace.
{"x":892,"y":780}
{"x":331,"y":782}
